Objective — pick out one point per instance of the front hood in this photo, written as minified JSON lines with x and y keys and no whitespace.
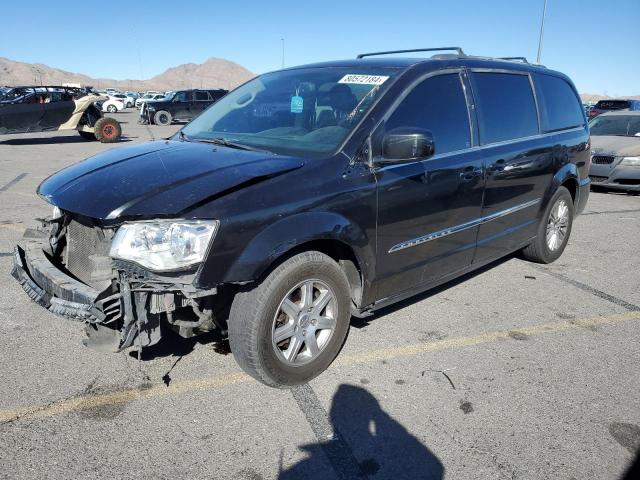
{"x":161,"y":178}
{"x":616,"y":146}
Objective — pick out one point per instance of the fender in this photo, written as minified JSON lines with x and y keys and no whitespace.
{"x":280,"y":237}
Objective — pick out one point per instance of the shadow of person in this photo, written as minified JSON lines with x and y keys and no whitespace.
{"x":366,"y":443}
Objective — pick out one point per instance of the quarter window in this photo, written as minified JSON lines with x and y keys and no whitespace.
{"x":437,"y":104}
{"x":506,"y":106}
{"x":559,"y":105}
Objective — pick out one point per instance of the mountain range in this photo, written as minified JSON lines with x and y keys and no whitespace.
{"x":213,"y":73}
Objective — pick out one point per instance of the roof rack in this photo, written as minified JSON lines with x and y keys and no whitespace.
{"x":457,"y":49}
{"x":520,"y":59}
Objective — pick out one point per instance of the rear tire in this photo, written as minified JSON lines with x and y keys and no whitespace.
{"x":107,"y":130}
{"x":112,"y":109}
{"x":281,"y":334}
{"x":554,"y":229}
{"x":162,"y":118}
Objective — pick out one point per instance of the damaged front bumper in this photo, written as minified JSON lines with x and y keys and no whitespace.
{"x":121,"y":304}
{"x":53,"y":289}
{"x":63,"y":295}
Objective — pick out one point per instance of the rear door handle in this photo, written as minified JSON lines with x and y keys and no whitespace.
{"x":470,"y":172}
{"x":498,"y":166}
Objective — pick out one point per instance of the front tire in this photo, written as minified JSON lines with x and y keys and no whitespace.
{"x":112,"y":109}
{"x":162,"y":118}
{"x":554,"y":229}
{"x":290,"y":327}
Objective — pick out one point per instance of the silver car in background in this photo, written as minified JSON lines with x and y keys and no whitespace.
{"x":615,"y":151}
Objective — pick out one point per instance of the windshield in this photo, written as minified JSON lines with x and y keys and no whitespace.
{"x":620,"y":125}
{"x":303,"y":111}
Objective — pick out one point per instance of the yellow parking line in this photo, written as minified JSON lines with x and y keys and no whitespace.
{"x":459,"y":342}
{"x":89,"y":401}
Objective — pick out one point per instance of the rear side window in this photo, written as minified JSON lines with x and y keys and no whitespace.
{"x":202,"y":96}
{"x":506,"y":106}
{"x":437,"y":104}
{"x":559,"y":105}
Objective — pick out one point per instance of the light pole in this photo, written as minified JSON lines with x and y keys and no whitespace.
{"x":544,"y":14}
{"x":282,"y":40}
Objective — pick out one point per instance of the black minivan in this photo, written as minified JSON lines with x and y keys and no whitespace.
{"x":309,"y":195}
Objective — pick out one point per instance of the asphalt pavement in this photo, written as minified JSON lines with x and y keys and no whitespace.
{"x":516,"y":371}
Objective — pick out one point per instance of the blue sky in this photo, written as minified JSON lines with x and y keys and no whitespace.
{"x":595,"y":42}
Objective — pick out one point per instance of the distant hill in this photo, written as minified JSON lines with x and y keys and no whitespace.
{"x":214,"y":73}
{"x":593,"y":97}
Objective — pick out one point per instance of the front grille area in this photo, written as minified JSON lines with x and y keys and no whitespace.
{"x":602,"y":159}
{"x":596,"y":179}
{"x":87,"y":253}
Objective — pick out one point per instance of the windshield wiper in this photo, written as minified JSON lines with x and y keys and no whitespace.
{"x":183,"y":136}
{"x":227,"y":143}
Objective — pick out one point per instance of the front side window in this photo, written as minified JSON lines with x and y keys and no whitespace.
{"x":506,"y":106}
{"x":560,"y":107}
{"x":437,"y":104}
{"x":308,"y":111}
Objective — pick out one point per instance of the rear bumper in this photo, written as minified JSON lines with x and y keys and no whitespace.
{"x":53,"y":289}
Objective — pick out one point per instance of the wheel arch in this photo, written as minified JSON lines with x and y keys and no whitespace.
{"x":329,"y":233}
{"x":567,"y":176}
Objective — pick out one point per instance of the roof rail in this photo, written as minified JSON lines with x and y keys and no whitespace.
{"x":457,"y":49}
{"x":521,"y":59}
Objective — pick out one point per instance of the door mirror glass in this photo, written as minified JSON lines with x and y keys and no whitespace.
{"x":407,"y":144}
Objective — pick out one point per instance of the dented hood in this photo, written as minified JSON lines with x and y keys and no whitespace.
{"x":161,"y":178}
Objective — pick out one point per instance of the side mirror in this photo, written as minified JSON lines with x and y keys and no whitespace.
{"x":407,"y":144}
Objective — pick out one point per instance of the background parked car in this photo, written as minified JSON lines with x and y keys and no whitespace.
{"x":182,"y":105}
{"x":120,"y":96}
{"x":615,"y":143}
{"x":148,"y":96}
{"x":614,"y":104}
{"x":112,"y":105}
{"x":130,"y":99}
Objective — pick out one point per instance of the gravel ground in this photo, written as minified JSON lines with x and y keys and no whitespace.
{"x":517,"y":371}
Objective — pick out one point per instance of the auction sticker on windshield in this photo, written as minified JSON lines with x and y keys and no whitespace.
{"x":363,"y":79}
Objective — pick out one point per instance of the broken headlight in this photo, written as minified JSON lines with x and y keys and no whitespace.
{"x":164,"y":245}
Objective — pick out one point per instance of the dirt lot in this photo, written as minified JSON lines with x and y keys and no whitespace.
{"x":518,"y":371}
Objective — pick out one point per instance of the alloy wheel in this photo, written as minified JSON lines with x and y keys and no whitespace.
{"x":304,"y":322}
{"x":557,"y":225}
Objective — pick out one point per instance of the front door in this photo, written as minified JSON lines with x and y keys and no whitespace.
{"x":428,"y":210}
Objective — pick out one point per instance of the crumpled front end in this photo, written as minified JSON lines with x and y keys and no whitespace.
{"x":65,"y":267}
